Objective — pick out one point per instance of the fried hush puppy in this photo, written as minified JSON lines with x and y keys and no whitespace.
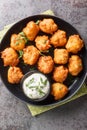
{"x":30,"y":55}
{"x":75,"y":65}
{"x":14,"y":75}
{"x":59,"y":90}
{"x":42,"y":43}
{"x":45,"y":64}
{"x":58,"y":39}
{"x":74,"y":44}
{"x":60,"y":74}
{"x":61,"y":56}
{"x":48,"y":26}
{"x":18,"y":41}
{"x":10,"y":57}
{"x":31,"y":30}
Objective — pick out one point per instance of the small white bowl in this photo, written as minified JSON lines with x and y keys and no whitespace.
{"x":28,"y":74}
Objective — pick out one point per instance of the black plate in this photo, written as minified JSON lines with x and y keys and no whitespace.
{"x":16,"y":89}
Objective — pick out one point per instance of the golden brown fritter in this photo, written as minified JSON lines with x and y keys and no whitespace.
{"x":61,"y":56}
{"x":48,"y":26}
{"x":14,"y":75}
{"x":75,"y":65}
{"x":31,"y":30}
{"x":58,"y":39}
{"x":59,"y":90}
{"x":30,"y":55}
{"x":18,"y":41}
{"x":60,"y":74}
{"x":74,"y":44}
{"x":45,"y":64}
{"x":10,"y":57}
{"x":42,"y":43}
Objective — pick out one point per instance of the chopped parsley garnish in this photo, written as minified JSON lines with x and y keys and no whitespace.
{"x":37,"y":22}
{"x":20,"y":38}
{"x":22,"y":34}
{"x":20,"y":53}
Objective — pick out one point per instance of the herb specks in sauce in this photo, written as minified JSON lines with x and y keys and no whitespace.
{"x":36,"y":86}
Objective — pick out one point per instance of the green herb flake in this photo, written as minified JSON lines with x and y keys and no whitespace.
{"x":41,"y":53}
{"x":43,"y":82}
{"x":30,"y":81}
{"x":44,"y":42}
{"x":20,"y":53}
{"x":42,"y":87}
{"x":17,"y":43}
{"x":22,"y":33}
{"x":26,"y":85}
{"x":37,"y":22}
{"x":23,"y":37}
{"x":41,"y":92}
{"x":31,"y":86}
{"x":26,"y":40}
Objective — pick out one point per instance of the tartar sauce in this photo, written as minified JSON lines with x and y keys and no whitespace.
{"x":36,"y":86}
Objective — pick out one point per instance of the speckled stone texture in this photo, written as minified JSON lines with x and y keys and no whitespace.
{"x":14,"y":114}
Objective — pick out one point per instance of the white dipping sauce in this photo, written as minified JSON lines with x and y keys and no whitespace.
{"x":36,"y":86}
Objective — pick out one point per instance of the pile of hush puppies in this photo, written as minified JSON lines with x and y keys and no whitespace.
{"x":65,"y":59}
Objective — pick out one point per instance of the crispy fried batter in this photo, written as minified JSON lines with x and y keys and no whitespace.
{"x":58,"y":39}
{"x":45,"y":64}
{"x":59,"y":90}
{"x":74,"y":44}
{"x":17,"y":42}
{"x":60,"y":74}
{"x":14,"y":75}
{"x":75,"y":65}
{"x":48,"y":26}
{"x":10,"y":57}
{"x":31,"y":30}
{"x":61,"y":56}
{"x":30,"y":55}
{"x":42,"y":43}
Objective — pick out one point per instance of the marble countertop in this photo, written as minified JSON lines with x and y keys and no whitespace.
{"x":14,"y":114}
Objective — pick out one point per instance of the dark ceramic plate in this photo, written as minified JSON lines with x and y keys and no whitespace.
{"x":74,"y":84}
